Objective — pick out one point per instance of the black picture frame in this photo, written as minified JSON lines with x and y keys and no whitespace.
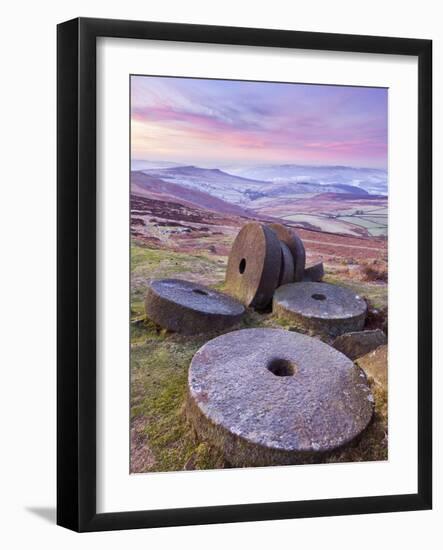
{"x":76,"y":265}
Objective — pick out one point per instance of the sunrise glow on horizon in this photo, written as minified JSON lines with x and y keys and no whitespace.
{"x":220,"y":122}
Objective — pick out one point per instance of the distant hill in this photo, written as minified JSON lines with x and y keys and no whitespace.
{"x":137,"y":164}
{"x":149,"y":186}
{"x":373,"y":180}
{"x":214,"y":182}
{"x":239,"y":190}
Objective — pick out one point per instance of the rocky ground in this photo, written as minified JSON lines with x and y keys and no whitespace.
{"x":179,"y":240}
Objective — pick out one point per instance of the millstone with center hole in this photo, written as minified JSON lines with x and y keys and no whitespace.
{"x":190,"y":308}
{"x":254,"y":265}
{"x":290,"y":238}
{"x":320,"y":307}
{"x":270,"y":396}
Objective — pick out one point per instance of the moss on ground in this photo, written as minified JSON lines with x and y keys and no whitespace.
{"x":149,"y":260}
{"x":159,"y":368}
{"x":148,"y":263}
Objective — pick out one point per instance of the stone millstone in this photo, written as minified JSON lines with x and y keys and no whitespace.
{"x":270,"y":396}
{"x":254,"y":265}
{"x":314,"y":273}
{"x":190,"y":308}
{"x":287,"y":265}
{"x":295,"y":245}
{"x":320,"y":308}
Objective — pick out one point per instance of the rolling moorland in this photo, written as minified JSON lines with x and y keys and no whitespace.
{"x":183,"y":222}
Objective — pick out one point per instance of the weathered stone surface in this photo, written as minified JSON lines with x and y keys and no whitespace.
{"x":356,"y":344}
{"x":375,"y":365}
{"x":377,"y":318}
{"x":190,"y":308}
{"x":320,"y":307}
{"x":295,"y":245}
{"x":254,"y":265}
{"x":287,"y":265}
{"x":314,"y":273}
{"x":270,"y":396}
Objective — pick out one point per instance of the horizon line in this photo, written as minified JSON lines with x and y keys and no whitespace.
{"x":219,"y":166}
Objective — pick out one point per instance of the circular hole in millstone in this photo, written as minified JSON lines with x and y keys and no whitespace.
{"x":242,"y":266}
{"x":198,"y":291}
{"x":320,"y":297}
{"x":281,"y":367}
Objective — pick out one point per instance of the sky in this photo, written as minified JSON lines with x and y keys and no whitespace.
{"x":216,"y":123}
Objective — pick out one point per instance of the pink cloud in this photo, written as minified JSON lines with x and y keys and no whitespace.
{"x":263,"y":120}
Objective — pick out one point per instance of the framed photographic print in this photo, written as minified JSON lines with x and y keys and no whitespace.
{"x":244,"y":274}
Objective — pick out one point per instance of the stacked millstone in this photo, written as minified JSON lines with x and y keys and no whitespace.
{"x":263,"y":258}
{"x":274,"y":397}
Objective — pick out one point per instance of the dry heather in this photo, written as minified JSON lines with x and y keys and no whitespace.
{"x":375,"y":271}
